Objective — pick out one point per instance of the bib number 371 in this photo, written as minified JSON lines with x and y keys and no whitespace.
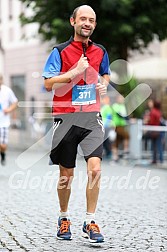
{"x":83,"y":95}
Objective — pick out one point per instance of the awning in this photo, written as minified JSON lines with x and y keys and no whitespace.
{"x":152,"y":68}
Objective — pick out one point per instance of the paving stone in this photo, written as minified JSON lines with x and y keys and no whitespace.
{"x":131,"y":220}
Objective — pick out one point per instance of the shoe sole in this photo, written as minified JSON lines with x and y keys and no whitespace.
{"x":86,"y":236}
{"x":59,"y":238}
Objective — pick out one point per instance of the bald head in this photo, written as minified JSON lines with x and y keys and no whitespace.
{"x":83,"y":8}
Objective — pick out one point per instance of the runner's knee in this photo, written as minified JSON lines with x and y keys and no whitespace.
{"x":66,"y":175}
{"x":95,"y":171}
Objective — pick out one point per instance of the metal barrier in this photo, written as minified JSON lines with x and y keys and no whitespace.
{"x":136,"y":129}
{"x":154,"y":128}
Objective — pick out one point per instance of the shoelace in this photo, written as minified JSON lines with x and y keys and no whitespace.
{"x":64,"y":226}
{"x":94,"y":228}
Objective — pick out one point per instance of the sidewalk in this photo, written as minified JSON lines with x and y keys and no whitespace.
{"x":131,"y":209}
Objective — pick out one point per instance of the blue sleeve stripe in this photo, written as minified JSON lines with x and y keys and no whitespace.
{"x":53,"y":64}
{"x":104,"y":66}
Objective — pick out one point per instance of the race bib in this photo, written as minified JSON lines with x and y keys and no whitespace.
{"x":83,"y":95}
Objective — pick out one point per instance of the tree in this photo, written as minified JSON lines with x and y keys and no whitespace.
{"x":122,"y":24}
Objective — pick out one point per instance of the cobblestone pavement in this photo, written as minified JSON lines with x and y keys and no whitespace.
{"x":131,"y":210}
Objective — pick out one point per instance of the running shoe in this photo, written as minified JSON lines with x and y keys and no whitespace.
{"x":91,"y":231}
{"x":63,"y":232}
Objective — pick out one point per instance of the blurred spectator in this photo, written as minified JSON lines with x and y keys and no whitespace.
{"x":120,"y":122}
{"x":155,"y":119}
{"x":106,"y":112}
{"x":146,"y":117}
{"x":150,"y":105}
{"x":8,"y":102}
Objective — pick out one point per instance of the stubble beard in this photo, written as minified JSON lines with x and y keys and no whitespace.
{"x":82,"y":34}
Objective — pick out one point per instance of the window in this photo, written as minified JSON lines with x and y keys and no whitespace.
{"x":10,"y":3}
{"x":11,"y":34}
{"x":0,"y":11}
{"x":18,"y":87}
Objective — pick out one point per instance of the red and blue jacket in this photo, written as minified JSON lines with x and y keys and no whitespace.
{"x":63,"y":58}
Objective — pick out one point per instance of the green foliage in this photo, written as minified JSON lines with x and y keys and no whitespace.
{"x":122,"y":24}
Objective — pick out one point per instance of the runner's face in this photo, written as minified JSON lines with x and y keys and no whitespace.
{"x":85,"y":22}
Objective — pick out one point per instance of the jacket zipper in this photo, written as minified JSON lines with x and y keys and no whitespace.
{"x":84,"y":53}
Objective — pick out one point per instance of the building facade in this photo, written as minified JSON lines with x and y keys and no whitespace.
{"x":22,"y":57}
{"x":151,"y":68}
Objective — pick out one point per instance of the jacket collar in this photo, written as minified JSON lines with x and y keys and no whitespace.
{"x":71,"y":40}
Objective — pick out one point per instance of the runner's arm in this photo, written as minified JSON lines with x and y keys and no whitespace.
{"x":60,"y":80}
{"x":12,"y":107}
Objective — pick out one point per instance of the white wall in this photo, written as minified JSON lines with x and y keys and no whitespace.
{"x":11,"y":32}
{"x":23,"y":55}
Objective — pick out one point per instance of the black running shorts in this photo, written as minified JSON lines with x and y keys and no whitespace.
{"x":71,"y":130}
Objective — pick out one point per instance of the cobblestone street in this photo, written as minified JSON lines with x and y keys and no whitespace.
{"x":132,"y":207}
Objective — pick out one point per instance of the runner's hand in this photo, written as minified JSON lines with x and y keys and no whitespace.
{"x":6,"y":111}
{"x":82,"y":64}
{"x":102,"y":88}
